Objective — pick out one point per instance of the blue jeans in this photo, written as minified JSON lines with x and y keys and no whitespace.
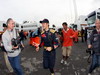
{"x":15,"y":63}
{"x":95,"y":62}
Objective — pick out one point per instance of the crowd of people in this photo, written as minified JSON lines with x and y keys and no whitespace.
{"x":50,"y":40}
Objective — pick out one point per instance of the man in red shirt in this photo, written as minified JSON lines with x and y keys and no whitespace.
{"x":67,"y":34}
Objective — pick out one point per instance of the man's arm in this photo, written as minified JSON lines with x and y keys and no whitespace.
{"x":73,"y":34}
{"x":55,"y":40}
{"x":41,"y":43}
{"x":6,"y":44}
{"x":90,"y":40}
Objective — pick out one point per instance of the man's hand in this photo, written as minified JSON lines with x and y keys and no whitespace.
{"x":37,"y":49}
{"x":89,"y":46}
{"x":55,"y":46}
{"x":71,"y":37}
{"x":49,"y":48}
{"x":13,"y":48}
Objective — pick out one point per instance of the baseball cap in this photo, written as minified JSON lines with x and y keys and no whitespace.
{"x":44,"y":21}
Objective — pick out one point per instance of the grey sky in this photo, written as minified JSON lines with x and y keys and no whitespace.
{"x":57,"y":11}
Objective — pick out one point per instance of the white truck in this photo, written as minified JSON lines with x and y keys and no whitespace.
{"x":27,"y":26}
{"x":91,"y":17}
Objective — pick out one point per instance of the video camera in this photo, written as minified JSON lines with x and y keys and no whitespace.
{"x":89,"y":50}
{"x":17,"y":42}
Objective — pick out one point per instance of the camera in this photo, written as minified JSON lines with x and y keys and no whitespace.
{"x":17,"y":42}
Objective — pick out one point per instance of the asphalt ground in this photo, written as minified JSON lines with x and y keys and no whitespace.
{"x":31,"y":61}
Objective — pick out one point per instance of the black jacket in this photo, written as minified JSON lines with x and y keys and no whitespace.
{"x":94,"y":40}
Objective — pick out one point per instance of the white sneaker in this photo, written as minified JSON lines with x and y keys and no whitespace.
{"x":65,"y":62}
{"x":89,"y":74}
{"x":62,"y":61}
{"x":52,"y":74}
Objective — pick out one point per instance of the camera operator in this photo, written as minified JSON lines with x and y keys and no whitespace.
{"x":12,"y":51}
{"x":5,"y":56}
{"x":94,"y":43}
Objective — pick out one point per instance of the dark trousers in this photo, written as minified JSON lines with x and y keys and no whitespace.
{"x":95,"y":62}
{"x":15,"y":63}
{"x":49,"y":59}
{"x":82,"y":38}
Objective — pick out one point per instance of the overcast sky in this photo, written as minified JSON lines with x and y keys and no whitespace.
{"x":57,"y":11}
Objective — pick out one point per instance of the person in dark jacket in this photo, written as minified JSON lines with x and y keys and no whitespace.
{"x":50,"y":41}
{"x":85,"y":34}
{"x":22,"y":36}
{"x":82,"y":34}
{"x":94,"y":43}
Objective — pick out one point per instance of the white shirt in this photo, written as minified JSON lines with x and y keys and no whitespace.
{"x":6,"y":39}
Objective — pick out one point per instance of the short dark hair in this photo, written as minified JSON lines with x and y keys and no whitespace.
{"x":21,"y":30}
{"x":64,"y":23}
{"x":9,"y":19}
